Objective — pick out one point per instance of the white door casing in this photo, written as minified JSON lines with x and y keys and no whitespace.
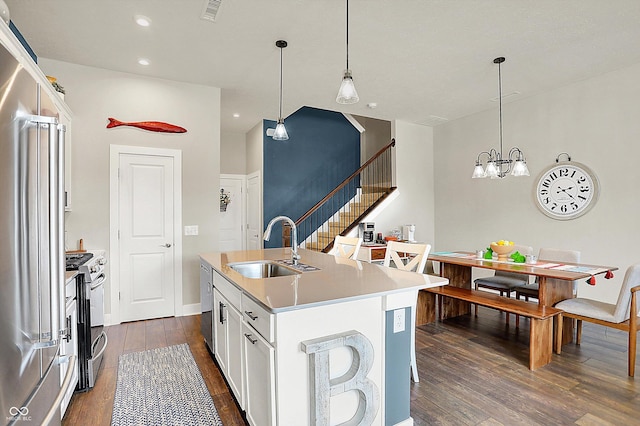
{"x":254,"y":212}
{"x":233,"y":220}
{"x":146,"y":239}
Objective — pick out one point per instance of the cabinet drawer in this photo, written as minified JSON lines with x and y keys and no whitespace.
{"x":258,"y":318}
{"x":228,"y":290}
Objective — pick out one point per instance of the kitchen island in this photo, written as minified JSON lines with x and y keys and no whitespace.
{"x":323,"y":346}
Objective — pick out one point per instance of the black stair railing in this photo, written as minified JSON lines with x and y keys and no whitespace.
{"x":344,"y":207}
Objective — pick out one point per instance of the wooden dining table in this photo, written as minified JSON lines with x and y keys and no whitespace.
{"x":555,"y":281}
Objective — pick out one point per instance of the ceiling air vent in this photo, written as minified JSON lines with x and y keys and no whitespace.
{"x":210,"y":10}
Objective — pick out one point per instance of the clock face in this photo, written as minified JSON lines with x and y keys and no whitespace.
{"x":566,"y":190}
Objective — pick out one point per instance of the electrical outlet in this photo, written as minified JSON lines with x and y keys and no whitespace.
{"x":191,"y":230}
{"x":398,"y":320}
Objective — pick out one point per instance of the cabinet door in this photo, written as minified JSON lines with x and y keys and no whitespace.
{"x":235,"y":374}
{"x":220,"y":343}
{"x":259,"y":359}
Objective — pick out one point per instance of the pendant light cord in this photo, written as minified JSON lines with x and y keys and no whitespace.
{"x":347,"y":34}
{"x":280,"y":116}
{"x":500,"y":102}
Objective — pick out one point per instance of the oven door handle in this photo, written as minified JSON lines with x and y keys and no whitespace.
{"x":95,"y":343}
{"x":98,"y":282}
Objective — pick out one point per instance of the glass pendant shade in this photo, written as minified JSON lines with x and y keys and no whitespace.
{"x":478,"y":172}
{"x":520,"y":168}
{"x":347,"y":93}
{"x":280,"y":134}
{"x":492,"y":170}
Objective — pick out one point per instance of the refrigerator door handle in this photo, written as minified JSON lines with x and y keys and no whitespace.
{"x":54,"y":411}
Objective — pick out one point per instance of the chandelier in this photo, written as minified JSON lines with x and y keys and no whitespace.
{"x":497,"y":165}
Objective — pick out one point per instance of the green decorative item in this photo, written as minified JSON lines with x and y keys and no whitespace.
{"x":488,"y":254}
{"x":518,"y":258}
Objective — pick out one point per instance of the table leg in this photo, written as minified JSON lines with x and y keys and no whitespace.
{"x":552,"y":291}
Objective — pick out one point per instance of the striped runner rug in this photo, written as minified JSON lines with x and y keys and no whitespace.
{"x":162,"y":387}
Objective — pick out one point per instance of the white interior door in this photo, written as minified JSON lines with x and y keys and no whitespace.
{"x":232,"y":219}
{"x":254,"y":212}
{"x":146,"y":236}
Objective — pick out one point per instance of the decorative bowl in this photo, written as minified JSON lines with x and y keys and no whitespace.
{"x":503,"y":252}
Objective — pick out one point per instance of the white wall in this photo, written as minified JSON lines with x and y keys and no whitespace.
{"x":93,"y":95}
{"x":233,"y":153}
{"x":414,"y":179}
{"x":596,"y":122}
{"x":255,"y":149}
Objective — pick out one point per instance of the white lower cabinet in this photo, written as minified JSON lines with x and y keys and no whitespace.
{"x":259,"y":362}
{"x":228,"y":343}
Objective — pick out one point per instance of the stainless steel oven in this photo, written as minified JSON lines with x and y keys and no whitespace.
{"x":92,"y":340}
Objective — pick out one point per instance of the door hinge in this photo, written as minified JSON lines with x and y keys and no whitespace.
{"x":119,"y":296}
{"x":118,"y":234}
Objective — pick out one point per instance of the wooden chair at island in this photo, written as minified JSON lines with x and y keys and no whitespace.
{"x":347,"y":247}
{"x":409,"y":257}
{"x":504,"y":282}
{"x":622,"y":316}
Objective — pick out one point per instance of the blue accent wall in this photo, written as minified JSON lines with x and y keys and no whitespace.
{"x":323,"y":150}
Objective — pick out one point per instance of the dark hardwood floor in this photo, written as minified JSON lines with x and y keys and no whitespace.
{"x":473,"y":371}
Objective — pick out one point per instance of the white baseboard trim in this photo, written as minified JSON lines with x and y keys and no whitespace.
{"x":187,"y":310}
{"x":407,"y":422}
{"x":192,"y":309}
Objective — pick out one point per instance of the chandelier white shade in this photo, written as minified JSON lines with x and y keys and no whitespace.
{"x":497,"y":165}
{"x":280,"y":133}
{"x":347,"y":93}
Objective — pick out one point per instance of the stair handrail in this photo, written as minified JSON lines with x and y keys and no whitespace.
{"x":345,"y":182}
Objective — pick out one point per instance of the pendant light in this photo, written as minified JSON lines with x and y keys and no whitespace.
{"x":280,"y":134}
{"x":497,"y":166}
{"x":347,"y":93}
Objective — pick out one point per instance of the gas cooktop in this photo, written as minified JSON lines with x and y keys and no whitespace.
{"x":74,"y":260}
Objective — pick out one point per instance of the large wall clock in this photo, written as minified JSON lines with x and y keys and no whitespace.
{"x":566,"y":190}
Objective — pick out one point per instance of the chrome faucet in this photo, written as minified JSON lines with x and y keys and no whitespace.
{"x":294,"y":236}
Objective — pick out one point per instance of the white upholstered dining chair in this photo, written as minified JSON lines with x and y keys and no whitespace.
{"x":409,"y":257}
{"x":346,"y":247}
{"x":622,"y":316}
{"x":553,"y":255}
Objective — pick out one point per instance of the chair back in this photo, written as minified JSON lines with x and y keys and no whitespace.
{"x":631,"y":279}
{"x":560,"y":255}
{"x":419,"y":251}
{"x":523,"y":250}
{"x":347,"y":247}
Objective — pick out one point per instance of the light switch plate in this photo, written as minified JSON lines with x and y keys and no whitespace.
{"x":191,"y":230}
{"x":398,"y":320}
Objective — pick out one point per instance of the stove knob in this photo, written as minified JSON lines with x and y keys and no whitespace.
{"x":102,"y":261}
{"x":93,"y":269}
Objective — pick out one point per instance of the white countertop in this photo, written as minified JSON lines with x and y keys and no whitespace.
{"x":337,"y":280}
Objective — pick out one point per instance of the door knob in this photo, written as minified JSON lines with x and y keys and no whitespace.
{"x":167,"y":245}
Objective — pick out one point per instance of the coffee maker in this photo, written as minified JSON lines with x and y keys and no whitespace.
{"x":367,"y":230}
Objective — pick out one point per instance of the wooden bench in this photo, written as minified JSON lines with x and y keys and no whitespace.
{"x":541,"y":330}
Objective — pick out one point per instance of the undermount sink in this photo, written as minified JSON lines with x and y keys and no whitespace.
{"x":264,"y":269}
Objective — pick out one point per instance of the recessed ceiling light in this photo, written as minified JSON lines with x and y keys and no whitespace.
{"x":372,"y":105}
{"x":142,"y":20}
{"x":143,"y":61}
{"x":236,"y":115}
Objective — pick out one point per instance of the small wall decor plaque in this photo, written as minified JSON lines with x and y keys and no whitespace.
{"x":225,"y":200}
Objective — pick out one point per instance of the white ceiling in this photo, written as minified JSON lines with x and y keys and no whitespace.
{"x":417,"y":59}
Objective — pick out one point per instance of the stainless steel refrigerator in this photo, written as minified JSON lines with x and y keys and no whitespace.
{"x":32,"y":255}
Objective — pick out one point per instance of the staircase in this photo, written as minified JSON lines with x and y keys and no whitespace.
{"x":348,"y":204}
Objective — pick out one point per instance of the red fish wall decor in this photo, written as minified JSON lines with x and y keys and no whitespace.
{"x":152,"y":126}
